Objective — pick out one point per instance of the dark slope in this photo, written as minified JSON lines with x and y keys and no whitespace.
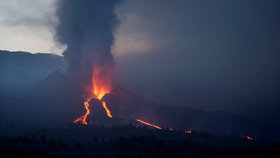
{"x":57,"y":99}
{"x":20,"y":71}
{"x":123,"y":103}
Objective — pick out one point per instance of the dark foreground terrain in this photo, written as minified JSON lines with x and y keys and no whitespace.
{"x":38,"y":103}
{"x":129,"y":141}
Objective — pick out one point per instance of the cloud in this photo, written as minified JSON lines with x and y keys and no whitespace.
{"x":87,"y":29}
{"x":217,"y":52}
{"x":28,"y":25}
{"x":27,"y":13}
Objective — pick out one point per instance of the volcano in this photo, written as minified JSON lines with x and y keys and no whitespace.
{"x":128,"y":108}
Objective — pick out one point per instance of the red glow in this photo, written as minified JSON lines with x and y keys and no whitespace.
{"x":101,"y":82}
{"x":108,"y":112}
{"x":83,"y":119}
{"x":148,"y":124}
{"x":100,"y":86}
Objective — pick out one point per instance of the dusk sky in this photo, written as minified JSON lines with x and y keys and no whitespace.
{"x":149,"y":26}
{"x":140,"y":78}
{"x":28,"y":25}
{"x":193,"y":48}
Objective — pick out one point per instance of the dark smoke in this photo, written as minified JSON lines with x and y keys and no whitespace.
{"x":86,"y":27}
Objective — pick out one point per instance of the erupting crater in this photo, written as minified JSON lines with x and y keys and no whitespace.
{"x":100,"y":86}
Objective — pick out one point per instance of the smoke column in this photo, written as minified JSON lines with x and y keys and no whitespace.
{"x":86,"y":27}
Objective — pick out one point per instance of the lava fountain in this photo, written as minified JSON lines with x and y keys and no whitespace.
{"x":99,"y":87}
{"x":87,"y":29}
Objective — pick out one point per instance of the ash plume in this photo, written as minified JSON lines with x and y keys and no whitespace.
{"x":86,"y":27}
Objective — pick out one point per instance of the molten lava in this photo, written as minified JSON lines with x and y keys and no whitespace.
{"x":148,"y":124}
{"x":108,"y":112}
{"x":83,"y":119}
{"x":100,"y":86}
{"x":101,"y":82}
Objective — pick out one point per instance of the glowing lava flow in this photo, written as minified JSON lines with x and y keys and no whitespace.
{"x":100,"y":86}
{"x":148,"y":124}
{"x":108,"y":112}
{"x":83,"y":119}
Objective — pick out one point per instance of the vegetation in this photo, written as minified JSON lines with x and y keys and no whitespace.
{"x":137,"y":146}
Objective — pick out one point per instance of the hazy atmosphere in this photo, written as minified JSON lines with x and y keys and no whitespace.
{"x":214,"y":56}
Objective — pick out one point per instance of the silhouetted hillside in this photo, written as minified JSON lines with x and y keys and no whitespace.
{"x":22,"y":70}
{"x":58,"y":99}
{"x":54,"y":97}
{"x":124,"y":103}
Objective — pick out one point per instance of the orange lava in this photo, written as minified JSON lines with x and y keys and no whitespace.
{"x":101,"y":82}
{"x":148,"y":124}
{"x":83,"y":119}
{"x":108,"y":112}
{"x":100,"y":86}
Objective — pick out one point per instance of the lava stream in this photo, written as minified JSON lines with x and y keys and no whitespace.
{"x":83,"y":119}
{"x":148,"y":124}
{"x":108,"y":112}
{"x":99,"y":87}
